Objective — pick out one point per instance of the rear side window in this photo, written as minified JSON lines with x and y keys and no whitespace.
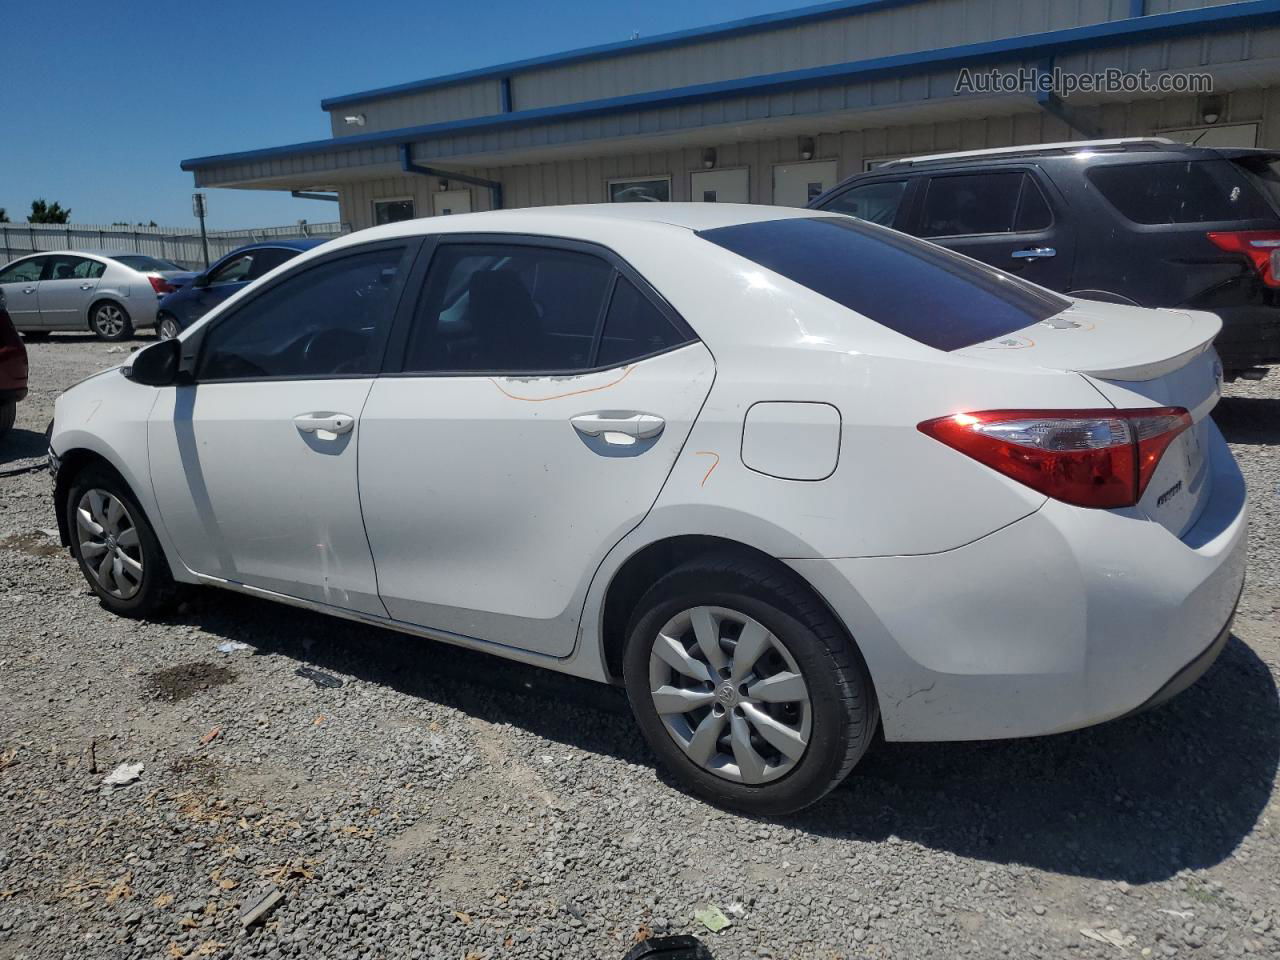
{"x":508,"y":308}
{"x":145,"y":263}
{"x":267,"y":259}
{"x":919,"y":289}
{"x":634,"y":327}
{"x":1189,"y":191}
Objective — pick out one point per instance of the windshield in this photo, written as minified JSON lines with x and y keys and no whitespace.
{"x":144,"y":263}
{"x":921,"y":290}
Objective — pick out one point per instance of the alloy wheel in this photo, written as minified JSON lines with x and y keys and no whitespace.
{"x":108,"y":320}
{"x":730,"y":694}
{"x":109,"y":543}
{"x":168,"y":328}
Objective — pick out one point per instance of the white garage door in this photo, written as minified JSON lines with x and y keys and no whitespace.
{"x":721,"y":186}
{"x":795,"y":184}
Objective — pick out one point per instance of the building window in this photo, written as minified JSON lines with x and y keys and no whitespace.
{"x":392,"y":211}
{"x":639,"y":189}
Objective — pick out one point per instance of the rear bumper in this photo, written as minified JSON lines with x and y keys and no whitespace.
{"x":1250,"y":335}
{"x":1064,"y":619}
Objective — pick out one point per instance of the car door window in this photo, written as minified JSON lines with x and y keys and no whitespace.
{"x":1033,"y":209}
{"x":268,"y":258}
{"x":63,"y":267}
{"x":634,"y":327}
{"x":329,"y":320}
{"x":971,"y":204}
{"x":234,"y":270}
{"x":25,"y":271}
{"x":508,"y":308}
{"x":877,"y":202}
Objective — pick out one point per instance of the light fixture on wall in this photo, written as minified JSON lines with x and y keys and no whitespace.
{"x":806,"y":148}
{"x":442,"y":186}
{"x":354,"y":120}
{"x":709,"y":157}
{"x":1211,"y":110}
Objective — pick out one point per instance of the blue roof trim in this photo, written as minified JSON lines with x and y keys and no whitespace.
{"x":719,"y":31}
{"x":1232,"y":16}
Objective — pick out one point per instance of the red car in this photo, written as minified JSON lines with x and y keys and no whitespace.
{"x":13,"y":370}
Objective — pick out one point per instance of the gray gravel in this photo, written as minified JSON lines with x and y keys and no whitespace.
{"x":446,"y":804}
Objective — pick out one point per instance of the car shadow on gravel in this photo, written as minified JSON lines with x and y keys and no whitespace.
{"x":22,"y":444}
{"x":1251,"y":420}
{"x":1137,"y":799}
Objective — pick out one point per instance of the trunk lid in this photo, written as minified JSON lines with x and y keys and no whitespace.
{"x":1136,"y":358}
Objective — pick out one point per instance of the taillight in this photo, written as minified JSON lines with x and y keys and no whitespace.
{"x":1258,"y":245}
{"x":1091,"y":458}
{"x":161,"y":286}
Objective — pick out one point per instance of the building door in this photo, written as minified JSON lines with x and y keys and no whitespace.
{"x":451,"y":201}
{"x":795,"y":184}
{"x":720,"y":186}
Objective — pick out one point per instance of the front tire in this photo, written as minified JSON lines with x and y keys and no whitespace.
{"x":116,"y":546}
{"x":110,"y":322}
{"x":167,"y":328}
{"x":746,"y":687}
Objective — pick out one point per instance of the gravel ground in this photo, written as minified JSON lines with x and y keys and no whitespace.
{"x":446,"y":804}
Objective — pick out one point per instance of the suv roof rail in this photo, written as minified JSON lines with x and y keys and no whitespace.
{"x":1031,"y":150}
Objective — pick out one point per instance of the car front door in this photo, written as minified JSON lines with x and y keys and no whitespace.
{"x":1002,"y":217}
{"x":525,"y":425}
{"x":254,"y":464}
{"x":67,"y":291}
{"x":21,"y":284}
{"x":885,"y":201}
{"x":228,"y":276}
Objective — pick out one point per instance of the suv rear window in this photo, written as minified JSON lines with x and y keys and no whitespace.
{"x":1185,"y":191}
{"x":918,"y":289}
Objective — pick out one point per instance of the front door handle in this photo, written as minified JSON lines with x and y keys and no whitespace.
{"x":1034,"y":253}
{"x":29,"y":290}
{"x":640,"y":426}
{"x":326,"y":426}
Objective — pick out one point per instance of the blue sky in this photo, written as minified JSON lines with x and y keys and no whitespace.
{"x":102,"y":112}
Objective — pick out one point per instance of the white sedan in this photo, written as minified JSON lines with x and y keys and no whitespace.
{"x":786,"y":475}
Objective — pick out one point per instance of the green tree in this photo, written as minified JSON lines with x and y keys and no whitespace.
{"x":4,"y":216}
{"x":42,"y":212}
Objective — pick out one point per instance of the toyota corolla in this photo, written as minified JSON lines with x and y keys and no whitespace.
{"x":785,"y":475}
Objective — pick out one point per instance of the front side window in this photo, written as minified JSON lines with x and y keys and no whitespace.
{"x":875,"y":202}
{"x":234,"y":270}
{"x":326,"y":321}
{"x":391,"y":211}
{"x":919,"y":289}
{"x":640,"y":190}
{"x":25,"y":271}
{"x":508,"y":308}
{"x":1189,"y":191}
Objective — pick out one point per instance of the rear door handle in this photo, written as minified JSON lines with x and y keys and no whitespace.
{"x":641,"y":426}
{"x":1034,"y":253}
{"x":87,"y":286}
{"x":326,"y":426}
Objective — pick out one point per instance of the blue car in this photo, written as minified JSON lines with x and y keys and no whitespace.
{"x":227,"y":276}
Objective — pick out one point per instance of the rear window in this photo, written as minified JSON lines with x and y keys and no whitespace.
{"x":918,"y":289}
{"x":140,"y":262}
{"x":1187,"y":191}
{"x":1264,"y":172}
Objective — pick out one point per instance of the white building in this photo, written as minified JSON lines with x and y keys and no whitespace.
{"x":774,"y":108}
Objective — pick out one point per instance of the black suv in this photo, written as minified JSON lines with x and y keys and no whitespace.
{"x":1139,"y":221}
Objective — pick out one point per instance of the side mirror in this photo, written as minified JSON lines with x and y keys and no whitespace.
{"x":200,"y":280}
{"x":156,"y":365}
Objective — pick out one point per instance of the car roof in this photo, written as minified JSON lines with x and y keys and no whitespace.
{"x":1138,"y":148}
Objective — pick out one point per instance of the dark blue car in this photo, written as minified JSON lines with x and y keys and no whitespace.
{"x":227,"y":276}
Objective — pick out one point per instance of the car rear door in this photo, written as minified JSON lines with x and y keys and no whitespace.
{"x":67,"y":291}
{"x":530,"y":416}
{"x":254,"y":464}
{"x":21,"y":284}
{"x":1004,"y":217}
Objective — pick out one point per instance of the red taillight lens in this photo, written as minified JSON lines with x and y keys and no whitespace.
{"x":1091,"y":458}
{"x":161,"y":286}
{"x":1257,"y":245}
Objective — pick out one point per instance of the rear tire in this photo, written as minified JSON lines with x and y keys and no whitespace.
{"x":8,"y":414}
{"x":809,"y":732}
{"x":167,"y":327}
{"x":116,"y":546}
{"x":110,"y":322}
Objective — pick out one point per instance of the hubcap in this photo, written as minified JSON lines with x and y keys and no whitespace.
{"x":110,"y":320}
{"x":730,"y":694}
{"x":109,"y":543}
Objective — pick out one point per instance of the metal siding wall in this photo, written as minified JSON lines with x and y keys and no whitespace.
{"x":479,"y":99}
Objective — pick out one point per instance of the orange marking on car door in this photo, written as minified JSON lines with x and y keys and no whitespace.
{"x":559,"y":396}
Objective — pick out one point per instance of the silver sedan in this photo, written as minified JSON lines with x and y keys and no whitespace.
{"x":109,"y":294}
